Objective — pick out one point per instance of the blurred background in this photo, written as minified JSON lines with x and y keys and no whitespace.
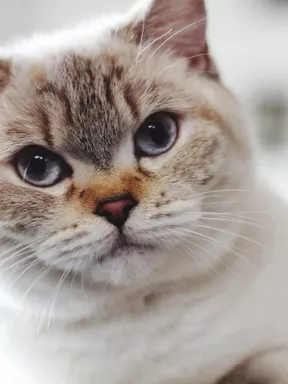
{"x":249,"y":39}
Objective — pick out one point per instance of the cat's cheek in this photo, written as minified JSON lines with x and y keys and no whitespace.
{"x":199,"y":161}
{"x":25,"y":211}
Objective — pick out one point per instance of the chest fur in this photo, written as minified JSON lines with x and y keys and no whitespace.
{"x":156,"y":347}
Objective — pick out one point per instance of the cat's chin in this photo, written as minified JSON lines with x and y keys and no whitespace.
{"x":127,"y":262}
{"x":125,"y":248}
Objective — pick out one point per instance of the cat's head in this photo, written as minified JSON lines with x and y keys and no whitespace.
{"x":113,"y":147}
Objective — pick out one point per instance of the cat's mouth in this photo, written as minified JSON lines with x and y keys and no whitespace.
{"x":124,"y":247}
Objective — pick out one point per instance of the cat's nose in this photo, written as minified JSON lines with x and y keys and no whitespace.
{"x":116,"y":210}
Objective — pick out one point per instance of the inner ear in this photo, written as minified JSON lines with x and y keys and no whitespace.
{"x":178,"y":26}
{"x":5,"y":73}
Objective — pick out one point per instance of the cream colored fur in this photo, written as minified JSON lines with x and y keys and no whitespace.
{"x":189,"y":312}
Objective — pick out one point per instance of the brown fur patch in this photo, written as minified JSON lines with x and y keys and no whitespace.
{"x":109,"y":57}
{"x":49,"y":90}
{"x":71,"y":191}
{"x":45,"y":125}
{"x":82,"y":194}
{"x":108,"y":90}
{"x":13,"y":128}
{"x":127,"y":32}
{"x":131,"y":101}
{"x":37,"y":74}
{"x":243,"y":374}
{"x":145,"y":172}
{"x":5,"y":73}
{"x":107,"y":187}
{"x":209,"y":114}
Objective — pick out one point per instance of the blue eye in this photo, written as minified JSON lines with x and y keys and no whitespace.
{"x":156,"y":135}
{"x":40,"y":167}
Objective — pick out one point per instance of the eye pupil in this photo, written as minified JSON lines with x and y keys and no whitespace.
{"x":156,"y":135}
{"x":38,"y":166}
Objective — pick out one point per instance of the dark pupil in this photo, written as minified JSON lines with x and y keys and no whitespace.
{"x":37,"y":166}
{"x":158,"y":133}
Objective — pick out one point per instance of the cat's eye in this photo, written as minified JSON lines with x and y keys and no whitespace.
{"x":40,"y":167}
{"x":156,"y":135}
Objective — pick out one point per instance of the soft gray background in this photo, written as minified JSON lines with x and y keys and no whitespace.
{"x":248,"y":37}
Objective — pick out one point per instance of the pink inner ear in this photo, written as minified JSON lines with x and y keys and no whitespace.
{"x":178,"y":26}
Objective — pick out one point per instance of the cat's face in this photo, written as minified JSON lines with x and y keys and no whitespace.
{"x":109,"y":155}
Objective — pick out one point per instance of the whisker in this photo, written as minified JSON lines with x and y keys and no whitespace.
{"x":209,"y":253}
{"x":51,"y":299}
{"x":31,"y":255}
{"x":246,"y":212}
{"x":231,"y":220}
{"x":230,"y":249}
{"x":236,"y":235}
{"x":40,"y":276}
{"x":224,"y":246}
{"x":209,"y":265}
{"x":82,"y":281}
{"x":177,"y":33}
{"x":183,"y":60}
{"x":60,"y":284}
{"x":30,"y":266}
{"x":233,"y":215}
{"x":71,"y":285}
{"x":97,"y":260}
{"x":29,"y":242}
{"x":215,"y":202}
{"x":25,"y":295}
{"x":151,"y":43}
{"x":141,"y":40}
{"x":219,"y":191}
{"x":191,"y":250}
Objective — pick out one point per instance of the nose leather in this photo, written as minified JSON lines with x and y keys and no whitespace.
{"x":116,"y":210}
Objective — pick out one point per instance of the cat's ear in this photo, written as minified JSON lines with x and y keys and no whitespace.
{"x":5,"y":72}
{"x":178,"y":26}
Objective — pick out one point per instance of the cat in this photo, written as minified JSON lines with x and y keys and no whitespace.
{"x":138,"y":243}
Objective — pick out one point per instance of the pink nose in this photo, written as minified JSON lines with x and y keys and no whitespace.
{"x":116,"y":211}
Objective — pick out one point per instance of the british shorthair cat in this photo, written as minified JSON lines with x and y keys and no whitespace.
{"x":138,"y":244}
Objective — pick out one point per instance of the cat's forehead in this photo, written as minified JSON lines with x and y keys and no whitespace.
{"x":90,"y":103}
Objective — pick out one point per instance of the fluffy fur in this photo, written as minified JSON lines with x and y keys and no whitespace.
{"x":200,"y":295}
